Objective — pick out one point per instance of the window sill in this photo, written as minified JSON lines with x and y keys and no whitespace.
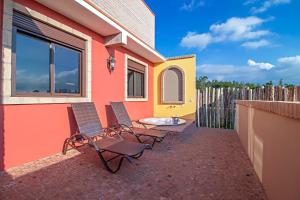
{"x":135,"y":99}
{"x":174,"y":102}
{"x":44,"y":100}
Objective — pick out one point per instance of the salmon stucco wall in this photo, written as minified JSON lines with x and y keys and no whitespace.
{"x":188,"y":66}
{"x":33,"y":131}
{"x":1,"y":106}
{"x":269,"y":133}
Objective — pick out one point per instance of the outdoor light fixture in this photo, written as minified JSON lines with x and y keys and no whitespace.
{"x":111,"y":63}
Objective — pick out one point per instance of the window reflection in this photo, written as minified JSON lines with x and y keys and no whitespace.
{"x":67,"y":66}
{"x":32,"y":64}
{"x":130,"y":84}
{"x":139,"y":84}
{"x":34,"y":57}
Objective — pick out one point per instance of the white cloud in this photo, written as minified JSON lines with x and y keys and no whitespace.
{"x":223,"y":72}
{"x":65,"y":74}
{"x":262,"y":65}
{"x":70,"y":84}
{"x":256,"y":44}
{"x":248,"y":2}
{"x":236,"y":29}
{"x":268,"y":4}
{"x":194,"y":40}
{"x":192,"y":5}
{"x":293,"y":60}
{"x":233,"y":30}
{"x":287,"y":68}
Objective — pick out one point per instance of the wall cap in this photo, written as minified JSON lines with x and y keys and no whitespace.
{"x":282,"y":108}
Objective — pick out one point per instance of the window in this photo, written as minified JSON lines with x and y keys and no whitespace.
{"x":47,"y":61}
{"x":135,"y":79}
{"x":32,"y":65}
{"x":67,"y":69}
{"x":173,"y":86}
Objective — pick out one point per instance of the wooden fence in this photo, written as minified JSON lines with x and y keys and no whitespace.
{"x":216,"y":106}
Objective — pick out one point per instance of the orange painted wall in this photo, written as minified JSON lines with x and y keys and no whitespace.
{"x":35,"y":131}
{"x":1,"y":107}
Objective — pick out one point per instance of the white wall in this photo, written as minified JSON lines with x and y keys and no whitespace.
{"x":133,"y":15}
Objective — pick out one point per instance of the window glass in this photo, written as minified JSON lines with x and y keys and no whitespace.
{"x":135,"y":84}
{"x":130,"y":80}
{"x":67,"y":67}
{"x":33,"y":74}
{"x":139,"y":84}
{"x":32,"y":64}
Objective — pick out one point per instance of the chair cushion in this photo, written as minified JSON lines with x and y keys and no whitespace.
{"x":121,"y":146}
{"x":149,"y":132}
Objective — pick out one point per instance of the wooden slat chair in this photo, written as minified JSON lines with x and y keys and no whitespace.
{"x":125,"y":125}
{"x":90,"y":131}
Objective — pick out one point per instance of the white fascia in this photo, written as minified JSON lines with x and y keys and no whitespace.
{"x":119,"y":28}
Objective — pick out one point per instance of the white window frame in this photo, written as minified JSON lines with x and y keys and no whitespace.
{"x":128,"y":57}
{"x":7,"y":34}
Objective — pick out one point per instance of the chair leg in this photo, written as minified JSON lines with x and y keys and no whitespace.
{"x":153,"y":143}
{"x":138,"y":155}
{"x":138,"y":138}
{"x":156,"y":139}
{"x":69,"y":142}
{"x":66,"y":145}
{"x":160,"y":139}
{"x":118,"y":166}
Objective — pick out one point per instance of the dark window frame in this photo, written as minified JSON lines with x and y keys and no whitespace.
{"x":143,"y":84}
{"x":52,"y":40}
{"x":138,"y":69}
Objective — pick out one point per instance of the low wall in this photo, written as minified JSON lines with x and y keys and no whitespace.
{"x":270,"y":134}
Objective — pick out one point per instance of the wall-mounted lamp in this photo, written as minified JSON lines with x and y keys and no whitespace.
{"x":111,"y":63}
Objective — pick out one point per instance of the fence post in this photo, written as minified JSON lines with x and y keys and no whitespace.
{"x":218,"y":108}
{"x":206,"y":102}
{"x":198,"y":108}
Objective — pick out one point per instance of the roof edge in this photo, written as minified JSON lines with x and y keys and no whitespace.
{"x":148,"y":7}
{"x":181,"y":57}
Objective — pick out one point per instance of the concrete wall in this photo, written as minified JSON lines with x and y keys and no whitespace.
{"x":132,"y":14}
{"x":188,"y":66}
{"x":270,"y":134}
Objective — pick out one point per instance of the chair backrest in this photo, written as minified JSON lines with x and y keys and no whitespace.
{"x":87,"y":119}
{"x":121,"y":113}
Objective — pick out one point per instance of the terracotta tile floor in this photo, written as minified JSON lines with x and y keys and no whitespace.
{"x":199,"y":164}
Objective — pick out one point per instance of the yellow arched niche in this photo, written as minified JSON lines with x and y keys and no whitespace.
{"x":172,"y":84}
{"x":187,"y":65}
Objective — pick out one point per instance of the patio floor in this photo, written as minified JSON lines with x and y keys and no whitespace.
{"x":198,"y":164}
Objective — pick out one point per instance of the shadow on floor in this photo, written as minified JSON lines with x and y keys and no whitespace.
{"x":197,"y":164}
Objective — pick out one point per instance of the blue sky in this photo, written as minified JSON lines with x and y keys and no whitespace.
{"x":242,"y":40}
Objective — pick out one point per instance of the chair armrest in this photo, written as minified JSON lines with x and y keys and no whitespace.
{"x":127,"y":129}
{"x":138,"y":122}
{"x":112,"y":132}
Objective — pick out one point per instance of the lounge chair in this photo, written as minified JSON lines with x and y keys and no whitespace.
{"x":124,"y":124}
{"x":90,"y":132}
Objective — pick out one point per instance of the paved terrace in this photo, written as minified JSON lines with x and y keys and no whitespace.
{"x":199,"y":164}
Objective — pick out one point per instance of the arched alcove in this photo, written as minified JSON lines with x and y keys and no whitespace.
{"x":172,"y":82}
